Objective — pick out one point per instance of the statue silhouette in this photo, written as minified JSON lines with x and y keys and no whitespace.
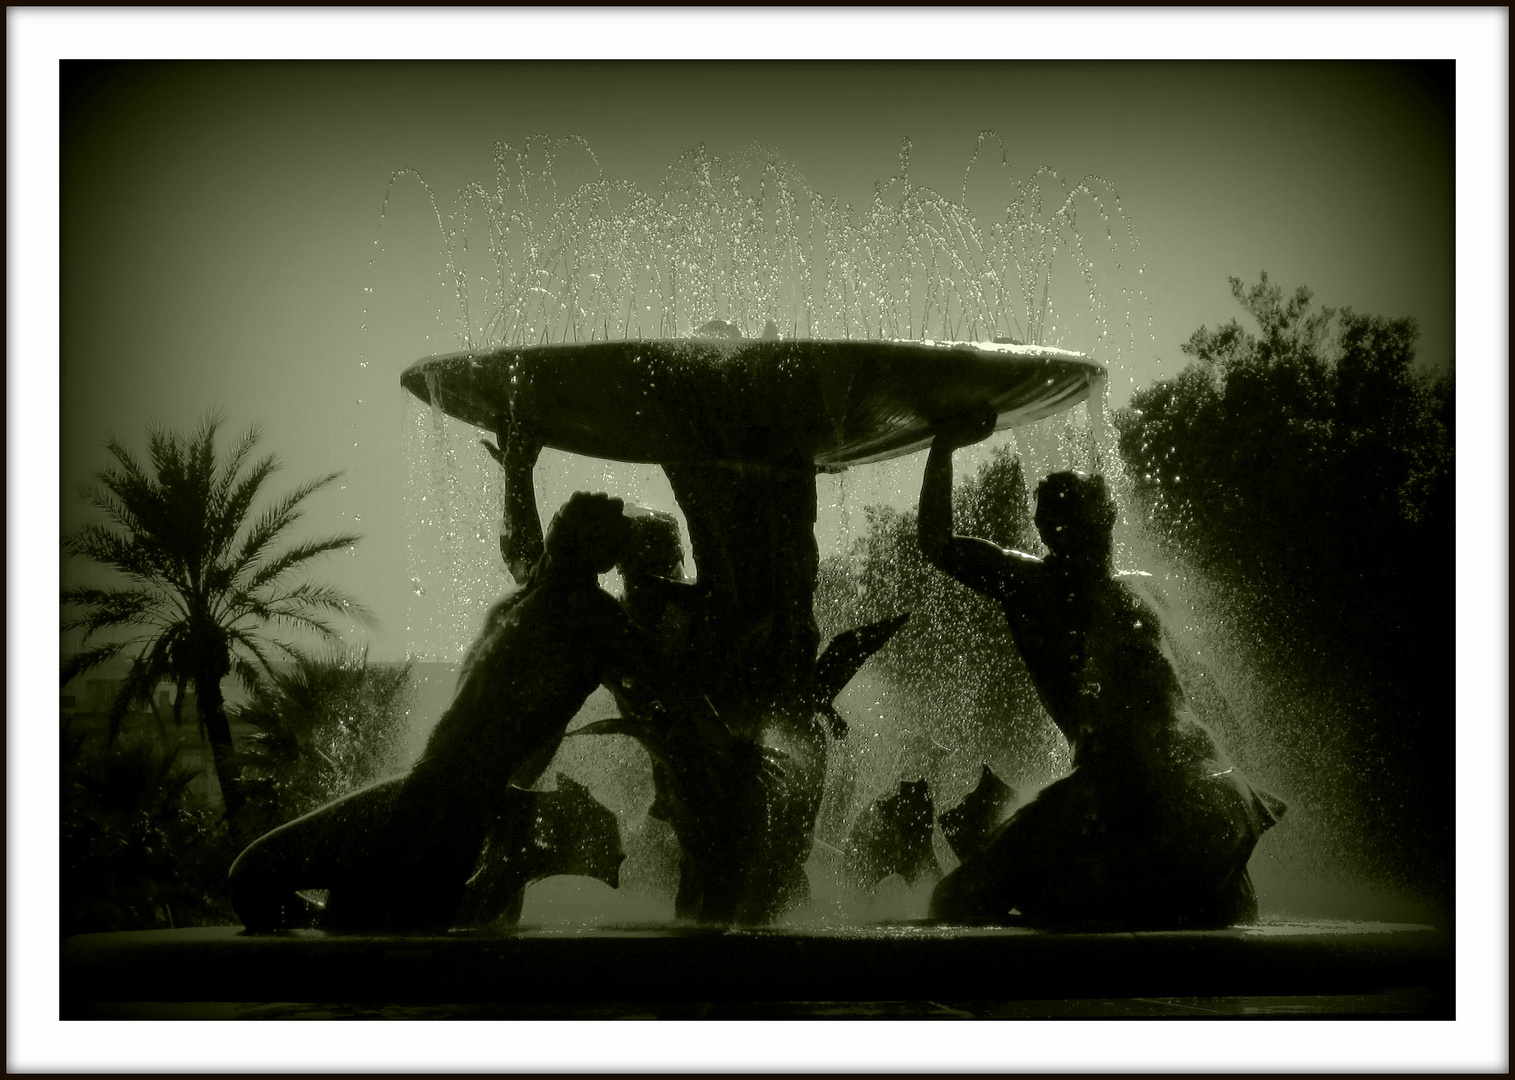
{"x":1154,"y":826}
{"x":399,"y":854}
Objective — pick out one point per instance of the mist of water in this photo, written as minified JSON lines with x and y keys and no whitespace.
{"x":550,"y":249}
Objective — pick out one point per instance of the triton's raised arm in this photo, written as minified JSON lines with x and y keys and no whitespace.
{"x":521,"y":531}
{"x":982,"y":566}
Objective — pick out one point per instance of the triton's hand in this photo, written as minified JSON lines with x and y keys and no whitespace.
{"x":516,"y":444}
{"x":494,"y":451}
{"x":522,"y":440}
{"x":966,"y":428}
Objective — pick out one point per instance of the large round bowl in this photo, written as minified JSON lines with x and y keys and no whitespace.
{"x":834,"y":403}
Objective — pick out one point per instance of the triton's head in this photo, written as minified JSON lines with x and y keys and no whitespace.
{"x":588,"y":532}
{"x":1074,"y":511}
{"x":655,"y":546}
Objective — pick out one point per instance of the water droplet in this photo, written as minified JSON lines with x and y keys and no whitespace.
{"x":416,"y":587}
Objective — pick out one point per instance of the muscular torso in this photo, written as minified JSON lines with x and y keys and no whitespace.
{"x":1095,"y":651}
{"x":524,"y":679}
{"x":1093,"y":646}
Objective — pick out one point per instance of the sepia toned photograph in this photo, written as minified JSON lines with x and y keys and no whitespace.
{"x":887,"y":540}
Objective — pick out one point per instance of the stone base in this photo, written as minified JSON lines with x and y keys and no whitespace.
{"x":886,"y":971}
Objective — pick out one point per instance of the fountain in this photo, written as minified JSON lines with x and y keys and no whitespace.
{"x":789,"y":341}
{"x":741,"y":428}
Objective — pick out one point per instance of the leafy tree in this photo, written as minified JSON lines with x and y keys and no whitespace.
{"x":325,"y":726}
{"x":1311,"y":453}
{"x":205,"y":582}
{"x":136,"y":853}
{"x":1307,"y":466}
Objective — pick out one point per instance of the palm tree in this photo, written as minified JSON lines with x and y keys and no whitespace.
{"x":206,"y":585}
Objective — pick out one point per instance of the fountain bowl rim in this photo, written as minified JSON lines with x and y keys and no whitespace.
{"x":865,"y":399}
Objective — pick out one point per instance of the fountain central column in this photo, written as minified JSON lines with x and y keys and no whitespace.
{"x":752,"y":528}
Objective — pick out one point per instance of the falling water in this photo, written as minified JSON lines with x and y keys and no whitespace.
{"x":550,"y":249}
{"x":532,"y":258}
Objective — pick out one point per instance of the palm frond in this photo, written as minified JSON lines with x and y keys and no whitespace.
{"x":277,"y":518}
{"x":92,"y":623}
{"x":125,"y":554}
{"x":130,"y":475}
{"x":203,"y":451}
{"x":158,"y":660}
{"x":184,"y":526}
{"x":250,"y":675}
{"x":237,"y":502}
{"x":297,"y":603}
{"x":235,"y":458}
{"x":78,"y":664}
{"x":257,"y":644}
{"x":105,"y":498}
{"x":255,"y":673}
{"x":227,"y":507}
{"x":158,"y":518}
{"x":312,"y":595}
{"x":311,"y":623}
{"x":108,"y":607}
{"x":302,"y":552}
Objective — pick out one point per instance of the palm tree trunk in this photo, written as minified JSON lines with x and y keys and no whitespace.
{"x":211,"y":706}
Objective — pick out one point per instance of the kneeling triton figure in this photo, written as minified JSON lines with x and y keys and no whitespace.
{"x":399,"y":854}
{"x":1154,"y":826}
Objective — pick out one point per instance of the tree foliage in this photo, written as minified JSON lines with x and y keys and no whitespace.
{"x":1306,"y":465}
{"x":206,"y":589}
{"x":325,"y":727}
{"x":1310,"y":457}
{"x":135,"y":851}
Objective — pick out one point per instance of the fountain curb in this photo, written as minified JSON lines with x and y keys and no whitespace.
{"x":904,"y":963}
